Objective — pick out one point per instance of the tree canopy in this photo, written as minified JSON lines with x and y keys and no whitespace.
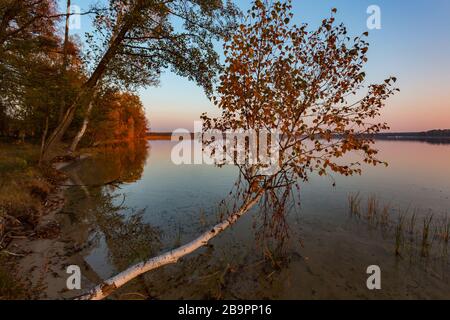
{"x":306,"y":85}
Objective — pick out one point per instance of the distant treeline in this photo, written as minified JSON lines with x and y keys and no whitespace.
{"x":432,"y":136}
{"x":388,"y":135}
{"x":428,"y":134}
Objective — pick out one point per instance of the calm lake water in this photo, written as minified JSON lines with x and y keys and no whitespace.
{"x":158,"y":206}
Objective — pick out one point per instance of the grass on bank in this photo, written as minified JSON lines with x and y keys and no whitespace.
{"x":10,"y":287}
{"x":23,"y":190}
{"x":22,"y":185}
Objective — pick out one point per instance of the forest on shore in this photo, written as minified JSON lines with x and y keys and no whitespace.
{"x":41,"y":71}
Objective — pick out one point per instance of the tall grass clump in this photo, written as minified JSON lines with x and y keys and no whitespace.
{"x":354,"y":202}
{"x":425,"y":248}
{"x":412,"y":223}
{"x":443,"y":231}
{"x":372,"y":207}
{"x":399,"y":228}
{"x":420,"y":229}
{"x":385,"y":215}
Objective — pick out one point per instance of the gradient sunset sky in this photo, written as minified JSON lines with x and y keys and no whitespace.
{"x":412,"y":44}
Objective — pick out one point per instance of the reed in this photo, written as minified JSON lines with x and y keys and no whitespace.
{"x":420,"y":238}
{"x":399,"y":233}
{"x":354,"y":201}
{"x":385,"y":215}
{"x":372,"y":207}
{"x":412,"y":223}
{"x":425,"y":248}
{"x":444,"y":233}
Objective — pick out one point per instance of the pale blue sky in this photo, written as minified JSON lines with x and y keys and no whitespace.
{"x":413,"y":44}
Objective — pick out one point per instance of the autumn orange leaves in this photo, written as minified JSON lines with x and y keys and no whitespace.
{"x":308,"y":84}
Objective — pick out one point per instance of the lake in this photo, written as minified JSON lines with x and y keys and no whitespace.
{"x":150,"y":205}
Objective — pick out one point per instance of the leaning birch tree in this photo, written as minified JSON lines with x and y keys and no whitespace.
{"x":308,"y":86}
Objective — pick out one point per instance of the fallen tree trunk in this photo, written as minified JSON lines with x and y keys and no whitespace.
{"x":109,"y":286}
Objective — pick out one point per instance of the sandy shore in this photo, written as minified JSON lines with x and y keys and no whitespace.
{"x":42,"y":259}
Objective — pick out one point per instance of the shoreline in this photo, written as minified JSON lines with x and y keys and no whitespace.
{"x":43,"y":256}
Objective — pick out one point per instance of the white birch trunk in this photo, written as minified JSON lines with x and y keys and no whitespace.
{"x":80,"y":133}
{"x":109,"y":286}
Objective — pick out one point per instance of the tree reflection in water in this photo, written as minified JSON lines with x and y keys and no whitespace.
{"x":98,"y":212}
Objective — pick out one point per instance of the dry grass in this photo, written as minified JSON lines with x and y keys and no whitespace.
{"x":22,"y":186}
{"x":15,"y":157}
{"x":10,"y":287}
{"x":17,"y":198}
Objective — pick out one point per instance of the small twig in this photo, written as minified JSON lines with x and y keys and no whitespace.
{"x":12,"y":253}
